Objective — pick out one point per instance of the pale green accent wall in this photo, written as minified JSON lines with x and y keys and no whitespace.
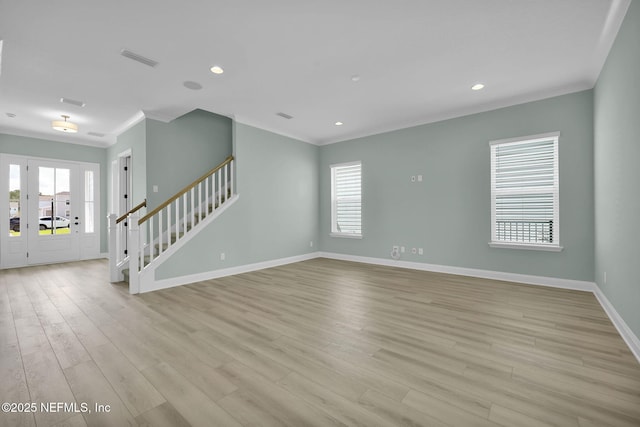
{"x":34,"y":147}
{"x":182,"y":150}
{"x":448,"y":214}
{"x":276,"y":215}
{"x":133,"y":139}
{"x":617,"y":173}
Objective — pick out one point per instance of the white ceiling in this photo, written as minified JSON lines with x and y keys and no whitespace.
{"x":416,"y":59}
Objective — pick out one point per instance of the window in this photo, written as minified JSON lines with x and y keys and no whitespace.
{"x":346,"y":201}
{"x":524,"y":193}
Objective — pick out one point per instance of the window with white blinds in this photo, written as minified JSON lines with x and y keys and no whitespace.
{"x":346,"y":200}
{"x":524,"y":192}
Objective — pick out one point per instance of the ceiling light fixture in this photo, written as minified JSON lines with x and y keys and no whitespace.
{"x":339,"y":123}
{"x":216,"y":69}
{"x":477,"y":86}
{"x":64,"y":126}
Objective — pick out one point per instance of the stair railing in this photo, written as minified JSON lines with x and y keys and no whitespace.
{"x":118,"y":251}
{"x":170,"y":221}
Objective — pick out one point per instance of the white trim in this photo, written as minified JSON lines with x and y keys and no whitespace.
{"x":625,"y":331}
{"x":552,"y":282}
{"x":128,"y":124}
{"x":526,"y":246}
{"x":346,"y":235}
{"x":224,"y":272}
{"x":530,"y":138}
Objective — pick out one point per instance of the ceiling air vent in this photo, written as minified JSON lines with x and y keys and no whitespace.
{"x":285,"y":115}
{"x":139,"y":58}
{"x":98,"y":134}
{"x":72,"y":102}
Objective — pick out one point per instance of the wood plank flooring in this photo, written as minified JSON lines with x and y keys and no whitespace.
{"x":317,"y":343}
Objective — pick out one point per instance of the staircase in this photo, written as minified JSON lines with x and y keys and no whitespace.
{"x":152,"y":238}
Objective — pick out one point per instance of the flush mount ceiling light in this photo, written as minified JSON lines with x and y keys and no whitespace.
{"x":216,"y":69}
{"x":477,"y":86}
{"x":338,"y":123}
{"x":64,"y":126}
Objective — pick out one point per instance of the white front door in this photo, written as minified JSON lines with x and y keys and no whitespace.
{"x":55,"y":217}
{"x":54,"y":213}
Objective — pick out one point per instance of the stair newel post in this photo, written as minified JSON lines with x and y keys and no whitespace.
{"x":134,"y":254}
{"x":113,"y":248}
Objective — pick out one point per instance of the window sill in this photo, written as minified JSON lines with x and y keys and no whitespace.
{"x":346,"y":235}
{"x":526,"y":246}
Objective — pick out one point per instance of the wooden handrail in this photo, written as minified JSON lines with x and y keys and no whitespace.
{"x":135,"y":209}
{"x":185,"y":189}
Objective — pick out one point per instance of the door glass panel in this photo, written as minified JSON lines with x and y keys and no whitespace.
{"x":89,"y":202}
{"x":14,"y":200}
{"x":54,"y":201}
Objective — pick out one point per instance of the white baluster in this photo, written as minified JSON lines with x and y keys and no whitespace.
{"x":168,"y":225}
{"x":160,"y":232}
{"x":206,"y":194}
{"x":202,"y":214}
{"x":219,"y":188}
{"x":150,"y":239}
{"x":184,"y":213}
{"x":226,"y":181}
{"x":113,"y":248}
{"x":178,"y":219}
{"x":232,"y":178}
{"x":133,"y":247}
{"x":193,"y":208}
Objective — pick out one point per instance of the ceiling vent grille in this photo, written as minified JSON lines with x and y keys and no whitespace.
{"x":72,"y":102}
{"x":139,"y":58}
{"x":285,"y":115}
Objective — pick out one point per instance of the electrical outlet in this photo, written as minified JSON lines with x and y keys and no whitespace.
{"x":419,"y":178}
{"x":402,"y":249}
{"x":420,"y":251}
{"x":311,"y":243}
{"x":396,"y":248}
{"x":605,"y":277}
{"x":155,"y":188}
{"x":223,"y":256}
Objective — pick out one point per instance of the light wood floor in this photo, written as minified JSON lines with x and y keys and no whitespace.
{"x":317,"y":343}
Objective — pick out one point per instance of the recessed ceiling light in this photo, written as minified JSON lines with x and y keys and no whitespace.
{"x":477,"y":86}
{"x":339,"y":123}
{"x":216,"y":69}
{"x":355,"y":78}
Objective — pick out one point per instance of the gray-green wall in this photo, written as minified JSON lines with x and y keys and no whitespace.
{"x":34,"y":147}
{"x":617,"y":173}
{"x":448,"y":214}
{"x":276,"y":215}
{"x":134,"y":139}
{"x":181,"y":151}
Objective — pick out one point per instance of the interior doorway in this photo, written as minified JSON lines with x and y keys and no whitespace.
{"x":53,"y":213}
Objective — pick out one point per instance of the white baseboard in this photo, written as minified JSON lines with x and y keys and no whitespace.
{"x":553,"y":282}
{"x":231,"y":271}
{"x":625,"y":332}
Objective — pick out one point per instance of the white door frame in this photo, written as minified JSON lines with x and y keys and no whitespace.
{"x":14,"y":249}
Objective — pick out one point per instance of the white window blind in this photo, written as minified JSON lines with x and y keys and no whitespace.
{"x":346,"y":199}
{"x":524,"y":191}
